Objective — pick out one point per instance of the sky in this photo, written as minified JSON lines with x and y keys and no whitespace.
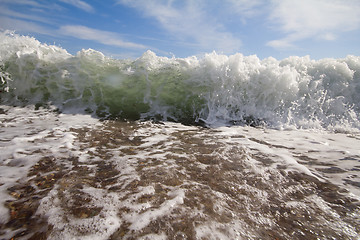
{"x":182,"y":28}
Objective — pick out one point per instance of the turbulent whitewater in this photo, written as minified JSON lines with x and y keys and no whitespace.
{"x":211,"y":147}
{"x":215,"y":89}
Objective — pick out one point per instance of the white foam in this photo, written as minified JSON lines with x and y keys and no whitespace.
{"x":140,"y":220}
{"x":97,"y":227}
{"x":295,"y":92}
{"x":236,"y":146}
{"x":291,"y":146}
{"x":27,"y":138}
{"x":153,"y":140}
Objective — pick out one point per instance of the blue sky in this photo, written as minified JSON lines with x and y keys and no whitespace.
{"x":127,"y":28}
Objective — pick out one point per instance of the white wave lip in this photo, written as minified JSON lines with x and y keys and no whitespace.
{"x":295,"y":92}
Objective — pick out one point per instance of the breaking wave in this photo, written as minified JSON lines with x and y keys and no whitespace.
{"x":295,"y":92}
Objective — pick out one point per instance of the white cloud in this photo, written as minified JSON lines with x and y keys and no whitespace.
{"x":12,"y":14}
{"x":20,"y":25}
{"x":103,"y":37}
{"x":281,"y":44}
{"x":23,"y":2}
{"x":188,"y":21}
{"x":34,"y":4}
{"x":246,"y":8}
{"x":79,"y":4}
{"x":313,"y":19}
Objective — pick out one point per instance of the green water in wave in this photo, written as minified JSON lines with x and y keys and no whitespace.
{"x":215,"y":89}
{"x":108,"y":87}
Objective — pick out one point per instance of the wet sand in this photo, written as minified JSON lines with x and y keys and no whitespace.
{"x":141,"y":180}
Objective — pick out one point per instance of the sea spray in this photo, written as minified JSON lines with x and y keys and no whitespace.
{"x":296,"y":92}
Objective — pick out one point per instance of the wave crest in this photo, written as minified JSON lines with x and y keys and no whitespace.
{"x":215,"y":89}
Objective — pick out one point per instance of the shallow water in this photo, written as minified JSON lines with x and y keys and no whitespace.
{"x":66,"y":176}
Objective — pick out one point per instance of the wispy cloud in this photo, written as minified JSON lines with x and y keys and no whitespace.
{"x":188,"y":21}
{"x":27,"y":21}
{"x":79,"y":4}
{"x":103,"y":37}
{"x":245,"y":8}
{"x":23,"y":2}
{"x":4,"y":11}
{"x":313,"y":19}
{"x":35,"y":5}
{"x":42,"y":24}
{"x":20,"y":25}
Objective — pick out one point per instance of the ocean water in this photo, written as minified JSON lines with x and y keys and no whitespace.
{"x":217,"y":147}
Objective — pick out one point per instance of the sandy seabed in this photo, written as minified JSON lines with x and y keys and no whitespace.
{"x":70,"y":176}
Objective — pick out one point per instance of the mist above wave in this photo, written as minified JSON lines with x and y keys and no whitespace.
{"x":215,"y":89}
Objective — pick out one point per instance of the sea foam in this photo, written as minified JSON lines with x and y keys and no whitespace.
{"x":296,"y":92}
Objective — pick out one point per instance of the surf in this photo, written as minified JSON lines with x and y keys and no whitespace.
{"x":216,"y":90}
